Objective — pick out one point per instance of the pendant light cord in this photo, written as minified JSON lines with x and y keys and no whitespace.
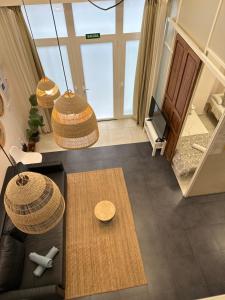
{"x":60,"y":51}
{"x":108,"y":8}
{"x":12,"y":163}
{"x":31,"y":32}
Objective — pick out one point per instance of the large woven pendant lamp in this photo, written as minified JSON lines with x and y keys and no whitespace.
{"x":73,"y":122}
{"x":47,"y":91}
{"x":33,"y":202}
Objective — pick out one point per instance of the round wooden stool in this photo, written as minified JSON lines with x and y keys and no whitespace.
{"x":105,"y":211}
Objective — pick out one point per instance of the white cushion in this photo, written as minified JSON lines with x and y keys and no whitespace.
{"x":198,"y":147}
{"x":25,"y":157}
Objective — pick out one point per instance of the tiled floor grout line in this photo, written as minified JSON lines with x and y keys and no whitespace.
{"x":200,"y":267}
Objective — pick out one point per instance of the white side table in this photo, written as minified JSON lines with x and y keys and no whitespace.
{"x":153,"y":138}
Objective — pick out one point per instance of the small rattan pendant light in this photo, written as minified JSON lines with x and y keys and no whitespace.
{"x":47,"y":91}
{"x":74,"y":122}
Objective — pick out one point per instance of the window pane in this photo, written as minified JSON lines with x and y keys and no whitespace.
{"x":162,"y":77}
{"x":133,"y":14}
{"x":51,"y":63}
{"x":169,"y":34}
{"x":41,"y":21}
{"x":173,"y":8}
{"x":130,"y":70}
{"x":89,"y":19}
{"x":98,"y":74}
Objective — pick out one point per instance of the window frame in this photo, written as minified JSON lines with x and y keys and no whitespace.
{"x":73,"y":43}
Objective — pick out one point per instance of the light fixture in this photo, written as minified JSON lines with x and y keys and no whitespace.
{"x":73,"y":122}
{"x":33,"y":201}
{"x":47,"y":91}
{"x":107,"y":8}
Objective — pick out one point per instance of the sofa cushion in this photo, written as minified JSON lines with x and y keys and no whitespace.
{"x":41,"y":244}
{"x":11,"y":263}
{"x":10,"y":229}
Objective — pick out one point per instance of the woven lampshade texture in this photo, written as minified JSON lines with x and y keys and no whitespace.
{"x":47,"y":92}
{"x":2,"y":135}
{"x":1,"y":106}
{"x":74,"y":122}
{"x":35,"y":207}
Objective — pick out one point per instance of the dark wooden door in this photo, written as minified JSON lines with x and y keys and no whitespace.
{"x":183,"y":74}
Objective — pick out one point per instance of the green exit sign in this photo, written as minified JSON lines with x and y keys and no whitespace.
{"x":90,"y":36}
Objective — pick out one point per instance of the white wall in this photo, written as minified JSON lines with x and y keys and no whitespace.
{"x":203,"y":90}
{"x":16,"y":110}
{"x":211,"y":179}
{"x":217,"y":43}
{"x":196,"y":17}
{"x":14,"y":130}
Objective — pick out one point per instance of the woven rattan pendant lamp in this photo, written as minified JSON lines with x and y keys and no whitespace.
{"x":47,"y":91}
{"x":74,"y":122}
{"x":33,"y":201}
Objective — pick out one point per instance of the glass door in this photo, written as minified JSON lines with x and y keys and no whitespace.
{"x":51,"y":62}
{"x":101,"y":69}
{"x":130,"y":71}
{"x":97,"y":60}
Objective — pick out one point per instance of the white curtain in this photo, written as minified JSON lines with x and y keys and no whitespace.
{"x":20,"y":56}
{"x":149,"y":55}
{"x":158,"y":45}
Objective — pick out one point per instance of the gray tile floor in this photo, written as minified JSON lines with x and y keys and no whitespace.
{"x":182,"y":240}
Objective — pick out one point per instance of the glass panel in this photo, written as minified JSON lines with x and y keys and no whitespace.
{"x":98,"y":74}
{"x":162,"y":77}
{"x":133,"y":14}
{"x":51,"y":63}
{"x":169,"y":34}
{"x":41,"y":21}
{"x":130,"y":70}
{"x":89,"y":19}
{"x":173,"y":8}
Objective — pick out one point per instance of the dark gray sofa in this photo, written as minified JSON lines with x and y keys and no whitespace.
{"x":52,"y":283}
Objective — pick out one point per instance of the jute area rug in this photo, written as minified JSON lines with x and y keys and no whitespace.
{"x":100,"y":257}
